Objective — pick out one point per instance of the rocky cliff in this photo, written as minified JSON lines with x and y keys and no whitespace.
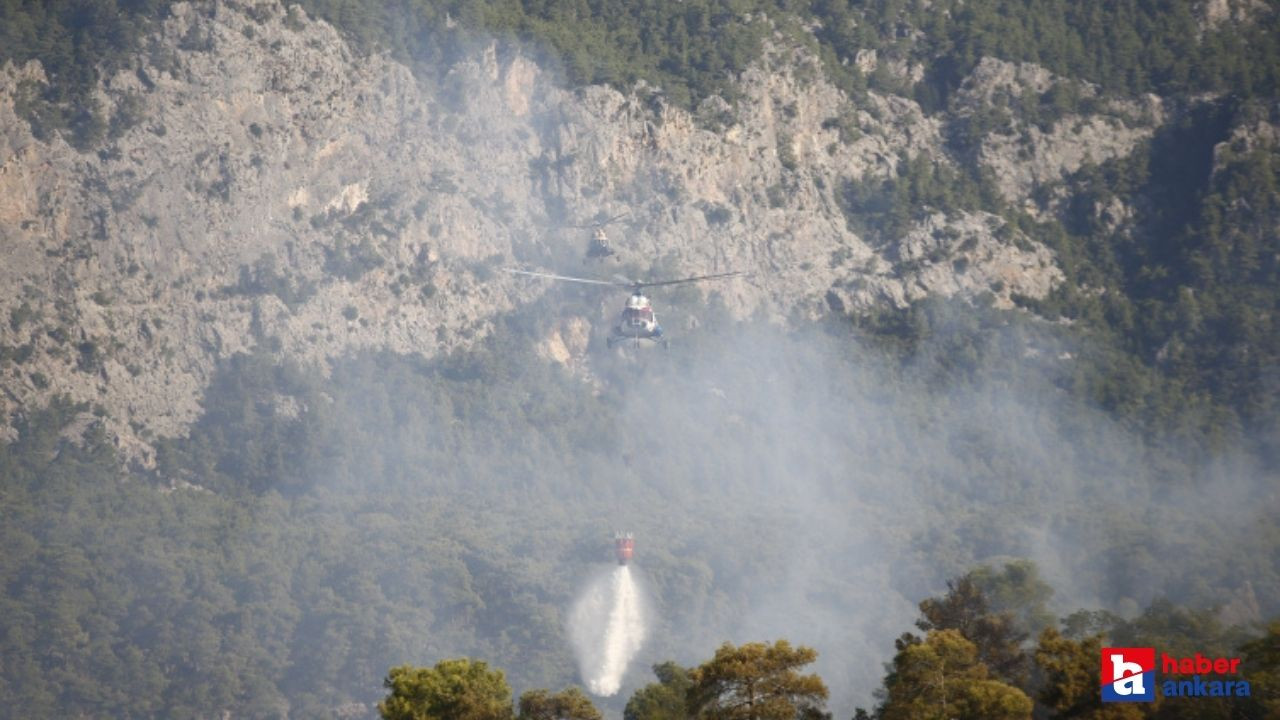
{"x":265,"y":187}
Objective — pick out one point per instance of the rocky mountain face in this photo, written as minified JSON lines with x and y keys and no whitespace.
{"x":266,"y":188}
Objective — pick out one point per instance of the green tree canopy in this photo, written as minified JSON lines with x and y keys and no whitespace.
{"x":995,"y":635}
{"x":663,"y":700}
{"x":1070,"y":679}
{"x":1017,"y":589}
{"x":941,"y":678}
{"x":1179,"y":631}
{"x":756,"y":681}
{"x":459,"y":689}
{"x":568,"y":704}
{"x":1262,"y":668}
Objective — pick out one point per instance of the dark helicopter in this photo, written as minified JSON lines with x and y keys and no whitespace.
{"x":637,"y":321}
{"x":598,"y":248}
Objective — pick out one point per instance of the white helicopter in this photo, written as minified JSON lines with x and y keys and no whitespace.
{"x":637,"y":321}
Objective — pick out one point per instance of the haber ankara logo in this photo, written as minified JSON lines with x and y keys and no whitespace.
{"x":1128,"y":674}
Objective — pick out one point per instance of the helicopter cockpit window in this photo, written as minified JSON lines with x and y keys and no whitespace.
{"x":637,"y":316}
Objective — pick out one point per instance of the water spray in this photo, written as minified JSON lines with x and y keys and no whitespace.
{"x":607,"y":625}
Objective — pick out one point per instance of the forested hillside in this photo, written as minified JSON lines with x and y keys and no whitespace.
{"x":321,"y":531}
{"x":1014,"y":307}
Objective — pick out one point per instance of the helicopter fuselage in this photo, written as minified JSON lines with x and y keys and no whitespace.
{"x":637,"y":321}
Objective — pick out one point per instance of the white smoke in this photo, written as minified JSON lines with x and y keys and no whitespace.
{"x":607,"y":628}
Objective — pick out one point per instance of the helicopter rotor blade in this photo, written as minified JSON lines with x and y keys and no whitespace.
{"x":566,"y":278}
{"x":697,"y":278}
{"x":602,"y":223}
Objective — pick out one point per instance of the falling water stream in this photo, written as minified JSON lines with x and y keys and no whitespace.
{"x":607,"y":627}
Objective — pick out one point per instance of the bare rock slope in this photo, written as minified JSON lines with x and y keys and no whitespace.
{"x":276,"y":191}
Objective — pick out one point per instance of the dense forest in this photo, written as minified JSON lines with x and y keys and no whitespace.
{"x":974,"y":662}
{"x":316,"y":531}
{"x":1098,"y":466}
{"x":692,"y":50}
